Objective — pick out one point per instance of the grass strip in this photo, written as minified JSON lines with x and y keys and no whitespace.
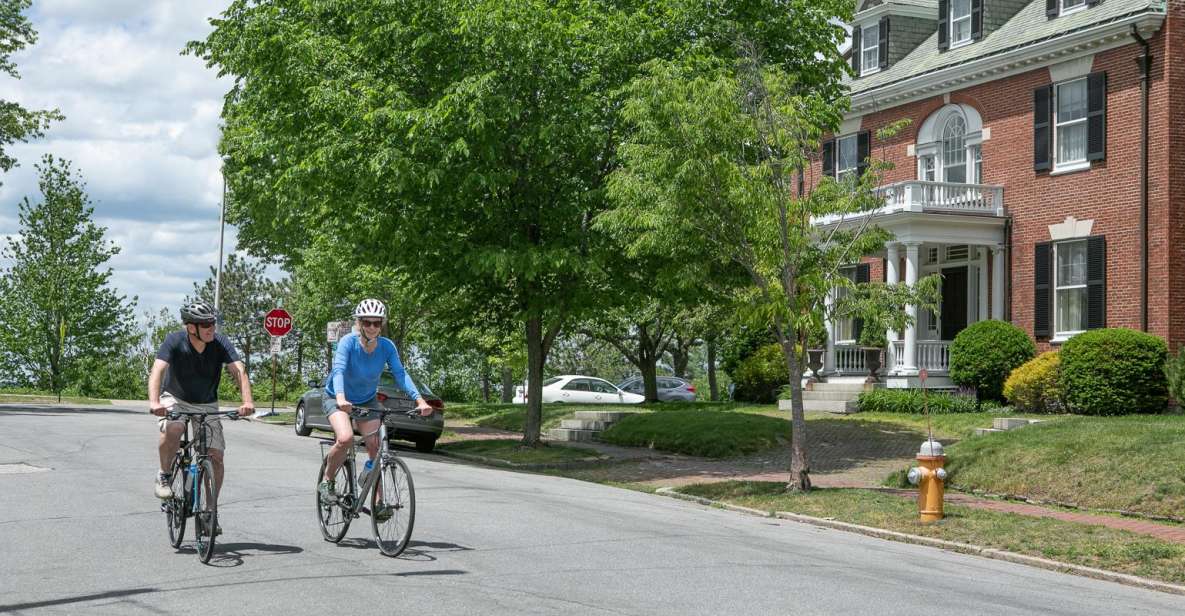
{"x":512,"y":451}
{"x":48,"y":399}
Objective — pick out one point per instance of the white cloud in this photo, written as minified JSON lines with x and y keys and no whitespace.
{"x":142,"y":128}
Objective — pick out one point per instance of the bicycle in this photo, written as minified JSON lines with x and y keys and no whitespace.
{"x":192,"y":482}
{"x":390,"y":488}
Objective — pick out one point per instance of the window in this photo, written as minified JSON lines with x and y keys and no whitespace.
{"x":551,"y":381}
{"x":1070,"y":293}
{"x":601,"y":387}
{"x":926,"y":169}
{"x":845,"y":328}
{"x":954,"y":150}
{"x":869,"y":49}
{"x":1070,"y":134}
{"x":1069,"y":6}
{"x":960,"y":21}
{"x":846,"y":158}
{"x":577,"y":385}
{"x":976,"y":164}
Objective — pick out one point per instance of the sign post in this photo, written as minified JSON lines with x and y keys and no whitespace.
{"x":277,"y":323}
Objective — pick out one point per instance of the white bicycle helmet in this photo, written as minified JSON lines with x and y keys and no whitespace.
{"x":370,"y":308}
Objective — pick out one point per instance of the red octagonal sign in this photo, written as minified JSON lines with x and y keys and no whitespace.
{"x":278,"y":322}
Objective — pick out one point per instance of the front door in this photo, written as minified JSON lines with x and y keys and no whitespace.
{"x":954,"y":302}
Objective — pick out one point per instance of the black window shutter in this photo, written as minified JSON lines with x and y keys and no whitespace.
{"x":1096,"y":282}
{"x":976,"y":19}
{"x":1042,"y":289}
{"x":1051,"y":8}
{"x":863,"y":151}
{"x":863,"y":272}
{"x":1096,"y":116}
{"x":943,"y":24}
{"x":857,"y":51}
{"x":829,"y":158}
{"x":882,"y":51}
{"x":1042,"y":130}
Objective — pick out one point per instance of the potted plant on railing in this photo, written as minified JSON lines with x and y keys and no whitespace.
{"x":873,"y":340}
{"x":816,"y":346}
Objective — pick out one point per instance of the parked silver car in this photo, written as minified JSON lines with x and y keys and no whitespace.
{"x":670,"y":388}
{"x":421,"y":430}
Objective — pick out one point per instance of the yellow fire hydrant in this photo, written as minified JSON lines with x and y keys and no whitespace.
{"x":929,"y":476}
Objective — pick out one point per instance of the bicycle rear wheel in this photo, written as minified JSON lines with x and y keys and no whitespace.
{"x":174,"y":506}
{"x":332,"y":517}
{"x":395,"y":494}
{"x":205,"y":512}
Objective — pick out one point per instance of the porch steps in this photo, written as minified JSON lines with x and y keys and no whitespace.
{"x":586,"y":426}
{"x":1003,"y":424}
{"x":829,"y":397}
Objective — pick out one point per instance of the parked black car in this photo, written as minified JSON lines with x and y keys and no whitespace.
{"x":421,"y":430}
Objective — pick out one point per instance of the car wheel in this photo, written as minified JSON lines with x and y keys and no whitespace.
{"x":426,"y":444}
{"x":302,"y":429}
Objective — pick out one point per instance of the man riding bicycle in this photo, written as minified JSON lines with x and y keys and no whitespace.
{"x":190,"y":363}
{"x":354,"y":381}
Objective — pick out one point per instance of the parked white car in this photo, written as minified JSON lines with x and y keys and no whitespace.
{"x":577,"y":389}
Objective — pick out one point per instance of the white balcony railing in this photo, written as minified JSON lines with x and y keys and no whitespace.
{"x":922,"y":196}
{"x":849,"y":359}
{"x":931,"y":355}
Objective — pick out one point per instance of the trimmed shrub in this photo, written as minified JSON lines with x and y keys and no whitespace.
{"x":1035,"y":386}
{"x":983,"y":355}
{"x":759,"y":376}
{"x":1114,"y":371}
{"x":910,"y":401}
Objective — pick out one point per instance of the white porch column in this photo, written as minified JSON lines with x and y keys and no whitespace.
{"x":982,"y":312}
{"x":998,"y":282}
{"x":911,"y":332}
{"x":892,"y":263}
{"x":829,"y":356}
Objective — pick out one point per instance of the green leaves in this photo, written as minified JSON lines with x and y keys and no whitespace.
{"x":17,"y":124}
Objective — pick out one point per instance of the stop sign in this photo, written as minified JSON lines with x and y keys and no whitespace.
{"x":278,"y":322}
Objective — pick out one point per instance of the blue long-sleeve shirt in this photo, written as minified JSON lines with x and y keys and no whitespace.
{"x":356,"y":372}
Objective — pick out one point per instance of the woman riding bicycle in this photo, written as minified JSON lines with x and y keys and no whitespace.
{"x":354,"y":381}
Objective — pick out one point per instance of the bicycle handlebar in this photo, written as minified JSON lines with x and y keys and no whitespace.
{"x":175,"y":415}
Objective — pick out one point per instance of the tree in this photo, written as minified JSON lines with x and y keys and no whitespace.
{"x":247,"y":295}
{"x":713,"y":156}
{"x":472,"y":138}
{"x":58,"y":306}
{"x":17,"y":124}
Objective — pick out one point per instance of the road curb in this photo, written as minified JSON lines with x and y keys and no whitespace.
{"x":951,"y":546}
{"x":498,"y":462}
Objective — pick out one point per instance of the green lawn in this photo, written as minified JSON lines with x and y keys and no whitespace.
{"x":949,"y":426}
{"x":511,"y":450}
{"x":1080,"y":544}
{"x":1132,"y":463}
{"x":711,"y":434}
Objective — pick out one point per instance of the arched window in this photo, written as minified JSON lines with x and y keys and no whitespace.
{"x":954,"y":151}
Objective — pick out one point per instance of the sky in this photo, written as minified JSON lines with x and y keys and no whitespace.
{"x":142,"y":128}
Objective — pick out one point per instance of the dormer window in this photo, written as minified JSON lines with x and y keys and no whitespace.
{"x":1054,"y":8}
{"x":960,"y":22}
{"x":870,"y":49}
{"x":1069,"y":6}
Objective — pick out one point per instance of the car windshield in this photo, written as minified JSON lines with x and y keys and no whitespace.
{"x":553,"y":380}
{"x":386,"y":379}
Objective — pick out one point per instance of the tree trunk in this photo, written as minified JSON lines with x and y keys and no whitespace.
{"x":800,"y":480}
{"x":485,"y":380}
{"x":535,"y":359}
{"x":507,"y":386}
{"x":650,"y":377}
{"x":680,"y":355}
{"x":713,"y":388}
{"x":247,"y":354}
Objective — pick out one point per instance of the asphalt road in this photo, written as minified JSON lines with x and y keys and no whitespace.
{"x":80,"y":533}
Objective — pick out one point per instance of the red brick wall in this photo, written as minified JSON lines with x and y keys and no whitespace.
{"x":1109,"y":193}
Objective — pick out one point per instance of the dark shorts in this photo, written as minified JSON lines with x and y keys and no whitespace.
{"x":329,"y":407}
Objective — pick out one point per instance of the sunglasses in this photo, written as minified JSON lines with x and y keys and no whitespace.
{"x":205,"y":325}
{"x":370,"y":323}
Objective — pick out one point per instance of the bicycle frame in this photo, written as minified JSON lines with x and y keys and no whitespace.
{"x":357,"y":508}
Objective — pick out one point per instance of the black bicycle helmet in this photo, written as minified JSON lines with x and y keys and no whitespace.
{"x":198,"y":312}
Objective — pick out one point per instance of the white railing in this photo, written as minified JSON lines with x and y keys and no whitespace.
{"x":849,"y":359}
{"x":922,"y":196}
{"x":932,"y":355}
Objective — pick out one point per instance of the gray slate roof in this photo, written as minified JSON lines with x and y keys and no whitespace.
{"x":1029,"y":26}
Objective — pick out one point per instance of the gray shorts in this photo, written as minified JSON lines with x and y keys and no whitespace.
{"x":214,"y":436}
{"x":329,"y":407}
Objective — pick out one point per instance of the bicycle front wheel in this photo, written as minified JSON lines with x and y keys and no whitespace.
{"x":393,"y":508}
{"x":332,"y":516}
{"x":174,"y":506}
{"x":205,"y":512}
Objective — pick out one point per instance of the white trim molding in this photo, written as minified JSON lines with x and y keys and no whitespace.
{"x":1071,"y":69}
{"x":1070,"y":228}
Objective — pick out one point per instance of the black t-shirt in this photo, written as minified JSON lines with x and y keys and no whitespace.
{"x":193,"y":377}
